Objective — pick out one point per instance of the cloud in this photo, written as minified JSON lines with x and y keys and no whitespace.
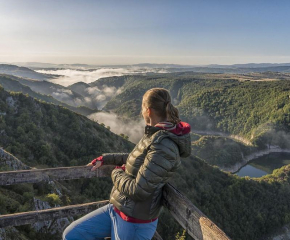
{"x":66,"y":95}
{"x":101,"y":96}
{"x":93,"y":97}
{"x":71,"y":76}
{"x":133,"y":129}
{"x":93,"y":90}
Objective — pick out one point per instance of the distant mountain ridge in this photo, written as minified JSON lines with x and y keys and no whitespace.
{"x":23,"y":72}
{"x":11,"y":83}
{"x":153,"y":65}
{"x":250,"y":65}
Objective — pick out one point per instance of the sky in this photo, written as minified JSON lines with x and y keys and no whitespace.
{"x":104,"y":32}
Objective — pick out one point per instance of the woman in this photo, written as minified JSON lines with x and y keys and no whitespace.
{"x":135,"y":199}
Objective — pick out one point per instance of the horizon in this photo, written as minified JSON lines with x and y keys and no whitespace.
{"x":144,"y":63}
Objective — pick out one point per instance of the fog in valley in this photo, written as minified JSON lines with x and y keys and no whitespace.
{"x":133,"y":129}
{"x":70,"y":76}
{"x":97,"y":97}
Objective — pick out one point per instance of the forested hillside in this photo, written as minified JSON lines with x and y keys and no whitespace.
{"x":50,"y":135}
{"x":46,"y":135}
{"x":244,"y":208}
{"x":57,"y":91}
{"x":214,"y":102}
{"x":220,"y":151}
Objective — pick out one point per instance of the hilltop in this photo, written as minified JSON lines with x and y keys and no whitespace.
{"x":11,"y":83}
{"x":23,"y":72}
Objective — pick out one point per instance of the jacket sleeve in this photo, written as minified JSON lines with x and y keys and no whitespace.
{"x":161,"y":159}
{"x":115,"y":158}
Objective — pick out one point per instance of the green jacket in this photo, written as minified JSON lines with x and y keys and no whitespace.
{"x":137,"y":191}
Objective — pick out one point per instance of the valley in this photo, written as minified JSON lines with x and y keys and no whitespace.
{"x":235,"y":119}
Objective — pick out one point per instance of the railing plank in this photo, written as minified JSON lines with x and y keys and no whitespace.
{"x":197,"y":225}
{"x":23,"y":218}
{"x":44,"y":175}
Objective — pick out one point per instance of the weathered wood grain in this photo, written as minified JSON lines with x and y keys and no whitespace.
{"x":45,"y":175}
{"x":18,"y":219}
{"x":197,"y":225}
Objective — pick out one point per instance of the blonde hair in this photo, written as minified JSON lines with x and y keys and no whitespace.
{"x":159,"y":99}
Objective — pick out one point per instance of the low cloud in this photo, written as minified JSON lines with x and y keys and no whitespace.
{"x":101,"y":96}
{"x":272,"y":135}
{"x":93,"y":97}
{"x":71,"y":76}
{"x":133,"y":129}
{"x":66,"y":96}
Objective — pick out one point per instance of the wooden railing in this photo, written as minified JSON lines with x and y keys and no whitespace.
{"x":184,"y":212}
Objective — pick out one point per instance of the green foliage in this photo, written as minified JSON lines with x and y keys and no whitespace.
{"x":27,"y":232}
{"x":180,"y":237}
{"x":88,"y":190}
{"x":124,"y":136}
{"x":53,"y":199}
{"x":16,"y":198}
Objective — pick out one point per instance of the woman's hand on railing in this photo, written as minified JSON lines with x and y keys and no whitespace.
{"x":96,"y":163}
{"x":123,"y":167}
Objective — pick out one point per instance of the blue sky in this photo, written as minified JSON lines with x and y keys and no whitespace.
{"x":128,"y":32}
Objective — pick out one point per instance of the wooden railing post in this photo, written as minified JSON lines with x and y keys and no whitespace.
{"x":197,"y":225}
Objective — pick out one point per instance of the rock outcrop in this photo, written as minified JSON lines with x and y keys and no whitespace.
{"x":11,"y":162}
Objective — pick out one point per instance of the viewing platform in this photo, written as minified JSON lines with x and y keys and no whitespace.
{"x":196,"y":224}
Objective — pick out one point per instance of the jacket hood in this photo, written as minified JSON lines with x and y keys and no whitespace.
{"x":180,"y":134}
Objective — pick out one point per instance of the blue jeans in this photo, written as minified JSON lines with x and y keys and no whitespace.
{"x":105,"y":222}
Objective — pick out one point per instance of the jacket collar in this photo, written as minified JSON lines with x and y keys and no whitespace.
{"x":149,"y":130}
{"x":181,"y":128}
